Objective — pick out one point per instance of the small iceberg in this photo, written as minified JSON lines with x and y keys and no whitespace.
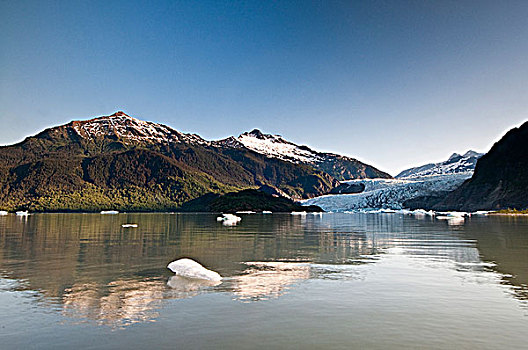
{"x":129,"y":225}
{"x":229,"y":219}
{"x":3,"y":212}
{"x":191,"y":269}
{"x":298,"y":213}
{"x":245,"y":212}
{"x":22,"y":213}
{"x":267,"y":212}
{"x":109,"y":212}
{"x":422,"y":212}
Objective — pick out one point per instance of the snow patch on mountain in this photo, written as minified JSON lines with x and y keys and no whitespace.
{"x":456,"y":164}
{"x":130,"y":130}
{"x":387,"y":193}
{"x":274,"y":146}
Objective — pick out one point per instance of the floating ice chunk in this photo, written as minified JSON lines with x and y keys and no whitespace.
{"x":422,"y":212}
{"x":229,"y":222}
{"x":109,"y":212}
{"x":191,"y":269}
{"x":246,"y":212}
{"x":129,"y":225}
{"x":229,"y":219}
{"x":3,"y":212}
{"x":298,"y":213}
{"x":22,"y":213}
{"x":267,"y":212}
{"x":480,"y":212}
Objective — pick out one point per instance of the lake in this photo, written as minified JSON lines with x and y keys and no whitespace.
{"x":324,"y":281}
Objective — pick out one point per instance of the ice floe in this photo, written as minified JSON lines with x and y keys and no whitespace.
{"x":229,"y":219}
{"x":191,"y":269}
{"x":109,"y":212}
{"x":3,"y":212}
{"x":129,"y":225}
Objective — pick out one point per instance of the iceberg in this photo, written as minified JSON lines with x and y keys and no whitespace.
{"x":22,"y":213}
{"x":129,"y":225}
{"x":3,"y":212}
{"x":191,"y":269}
{"x":109,"y":212}
{"x":266,"y":212}
{"x":229,"y":219}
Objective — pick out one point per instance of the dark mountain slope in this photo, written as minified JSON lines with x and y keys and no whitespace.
{"x":500,"y":179}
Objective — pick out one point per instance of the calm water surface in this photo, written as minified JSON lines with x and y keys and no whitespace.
{"x":377,"y":281}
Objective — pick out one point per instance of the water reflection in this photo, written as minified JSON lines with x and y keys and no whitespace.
{"x":93,"y":269}
{"x":265,"y":280}
{"x":119,"y":303}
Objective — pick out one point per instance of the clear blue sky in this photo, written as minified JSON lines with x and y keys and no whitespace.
{"x":393,"y":83}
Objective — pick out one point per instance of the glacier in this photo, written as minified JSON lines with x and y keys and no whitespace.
{"x":388,"y":193}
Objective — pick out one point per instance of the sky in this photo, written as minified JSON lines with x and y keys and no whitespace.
{"x":392,"y":83}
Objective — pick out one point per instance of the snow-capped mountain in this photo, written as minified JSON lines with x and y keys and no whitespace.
{"x":131,"y":130}
{"x":456,"y":164}
{"x":275,"y":146}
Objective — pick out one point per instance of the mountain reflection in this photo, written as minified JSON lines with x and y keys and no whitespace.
{"x":266,"y":280}
{"x":125,"y":301}
{"x":93,"y":269}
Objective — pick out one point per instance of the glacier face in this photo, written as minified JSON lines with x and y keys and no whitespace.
{"x":388,"y":193}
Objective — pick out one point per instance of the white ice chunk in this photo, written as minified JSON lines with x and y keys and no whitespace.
{"x":22,"y":213}
{"x":229,"y":219}
{"x":3,"y":212}
{"x":191,"y":269}
{"x":129,"y":225}
{"x":109,"y":212}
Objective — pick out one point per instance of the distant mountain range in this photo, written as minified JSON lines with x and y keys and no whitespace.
{"x":456,"y":164}
{"x":119,"y":162}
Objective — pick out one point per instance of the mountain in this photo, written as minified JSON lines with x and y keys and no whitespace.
{"x":275,"y":146}
{"x":119,"y":162}
{"x":500,"y":180}
{"x":456,"y":164}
